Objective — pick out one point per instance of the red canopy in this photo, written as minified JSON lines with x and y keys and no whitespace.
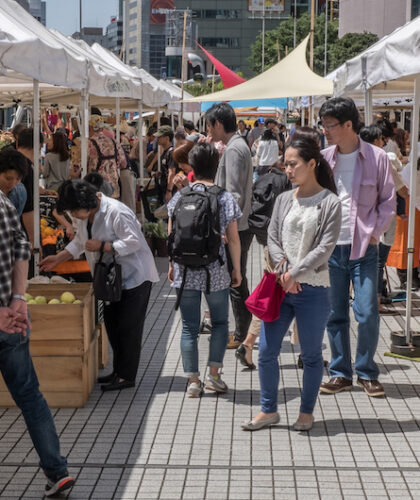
{"x":229,"y":77}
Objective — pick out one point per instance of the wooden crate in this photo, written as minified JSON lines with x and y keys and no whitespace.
{"x":63,"y":345}
{"x":65,"y":381}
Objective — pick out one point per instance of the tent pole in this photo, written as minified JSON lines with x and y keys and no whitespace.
{"x":118,"y":121}
{"x":36,"y":127}
{"x":158,"y":124}
{"x":368,"y":107}
{"x":412,"y":208}
{"x":173,"y":121}
{"x":141,"y":153}
{"x":85,"y":130}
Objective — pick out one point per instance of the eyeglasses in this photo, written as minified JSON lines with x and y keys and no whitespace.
{"x":330,"y":127}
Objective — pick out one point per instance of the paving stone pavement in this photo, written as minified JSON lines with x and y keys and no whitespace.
{"x":153,"y":443}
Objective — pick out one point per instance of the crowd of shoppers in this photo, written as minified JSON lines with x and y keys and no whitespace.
{"x":326,"y":219}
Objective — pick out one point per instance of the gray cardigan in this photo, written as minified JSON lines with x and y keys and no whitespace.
{"x":235,"y":175}
{"x":329,"y":225}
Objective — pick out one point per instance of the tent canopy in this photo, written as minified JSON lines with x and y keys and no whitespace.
{"x":291,"y":77}
{"x":388,"y":66}
{"x":28,"y":48}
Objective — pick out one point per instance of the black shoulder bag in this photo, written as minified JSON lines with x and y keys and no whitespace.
{"x":107,"y":279}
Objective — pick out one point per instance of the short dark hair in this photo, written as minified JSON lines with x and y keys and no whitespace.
{"x":10,"y":159}
{"x":241,"y":121}
{"x":204,"y":160}
{"x":17,"y":129}
{"x":268,"y":135}
{"x":180,"y":153}
{"x":371,"y":133}
{"x":224,"y":114}
{"x":385,"y":126}
{"x":188,"y":125}
{"x":25,"y":138}
{"x":76,"y":195}
{"x":343,"y":109}
{"x":95,"y":111}
{"x":151,"y":131}
{"x":270,"y":120}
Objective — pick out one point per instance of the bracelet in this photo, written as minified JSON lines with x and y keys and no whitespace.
{"x":19,"y":297}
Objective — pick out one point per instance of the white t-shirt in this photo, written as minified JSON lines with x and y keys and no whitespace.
{"x":267,"y":152}
{"x":343,"y":175}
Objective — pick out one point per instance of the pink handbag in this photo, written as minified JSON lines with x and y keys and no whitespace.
{"x":265,"y":301}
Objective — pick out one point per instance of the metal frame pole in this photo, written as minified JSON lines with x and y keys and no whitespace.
{"x":36,"y":131}
{"x":412,"y":207}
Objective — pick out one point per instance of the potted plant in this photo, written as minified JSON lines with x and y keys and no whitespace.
{"x":148,"y":230}
{"x":160,"y":239}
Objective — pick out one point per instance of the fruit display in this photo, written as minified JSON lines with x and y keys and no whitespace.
{"x":65,"y":298}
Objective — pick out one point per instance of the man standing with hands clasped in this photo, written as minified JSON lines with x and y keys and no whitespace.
{"x":235,"y":175}
{"x":15,"y":360}
{"x":365,"y":185}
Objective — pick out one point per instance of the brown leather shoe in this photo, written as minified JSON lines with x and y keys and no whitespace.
{"x":232,"y":343}
{"x":336,"y":384}
{"x":373,"y":388}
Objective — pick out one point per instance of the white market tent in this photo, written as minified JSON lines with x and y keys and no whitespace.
{"x":290,"y":77}
{"x":390,"y":66}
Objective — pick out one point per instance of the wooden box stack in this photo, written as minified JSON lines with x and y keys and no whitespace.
{"x":64,"y":346}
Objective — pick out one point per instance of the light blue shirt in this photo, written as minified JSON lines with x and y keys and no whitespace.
{"x":18,"y":196}
{"x":116,"y":223}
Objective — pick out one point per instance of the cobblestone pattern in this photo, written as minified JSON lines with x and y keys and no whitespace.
{"x":153,"y":443}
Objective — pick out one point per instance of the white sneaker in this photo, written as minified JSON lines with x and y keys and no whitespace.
{"x":194,"y":389}
{"x":216,"y":384}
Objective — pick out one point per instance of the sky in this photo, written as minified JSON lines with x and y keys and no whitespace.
{"x":63,"y":15}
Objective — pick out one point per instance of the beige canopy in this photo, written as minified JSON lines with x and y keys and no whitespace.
{"x":291,"y":77}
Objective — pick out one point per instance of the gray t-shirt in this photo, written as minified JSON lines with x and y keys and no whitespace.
{"x":55,"y":172}
{"x":235,"y":175}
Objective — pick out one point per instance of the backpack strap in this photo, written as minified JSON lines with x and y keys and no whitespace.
{"x":181,"y":289}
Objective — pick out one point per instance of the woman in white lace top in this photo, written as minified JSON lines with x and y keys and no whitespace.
{"x":302,"y":235}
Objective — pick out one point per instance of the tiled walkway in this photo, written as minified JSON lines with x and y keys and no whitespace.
{"x":153,"y":443}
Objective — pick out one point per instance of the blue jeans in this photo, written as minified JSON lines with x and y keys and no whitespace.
{"x":363,"y":273}
{"x":190,"y":307}
{"x":21,"y":380}
{"x":383,"y":252}
{"x":311,"y":308}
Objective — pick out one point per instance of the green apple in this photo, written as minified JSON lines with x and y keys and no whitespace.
{"x":67,"y":298}
{"x":31,"y":301}
{"x":77,"y":301}
{"x":40,"y":300}
{"x":54,"y":301}
{"x":28,"y":296}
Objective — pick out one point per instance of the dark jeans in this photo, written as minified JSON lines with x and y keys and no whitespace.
{"x":363,"y":273}
{"x":383,"y":252}
{"x":124,"y":321}
{"x":21,"y":380}
{"x":239,"y":294}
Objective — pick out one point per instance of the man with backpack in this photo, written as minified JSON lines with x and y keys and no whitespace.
{"x":235,"y":175}
{"x":264,"y":193}
{"x":200,"y":215}
{"x":105,"y":155}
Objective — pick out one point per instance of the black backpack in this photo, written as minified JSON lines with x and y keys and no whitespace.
{"x":195,"y":239}
{"x":264,"y":193}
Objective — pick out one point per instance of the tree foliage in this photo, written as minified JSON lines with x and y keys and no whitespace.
{"x":198,"y":88}
{"x":280,"y":40}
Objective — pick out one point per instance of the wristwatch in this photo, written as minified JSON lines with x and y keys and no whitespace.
{"x":19,"y":297}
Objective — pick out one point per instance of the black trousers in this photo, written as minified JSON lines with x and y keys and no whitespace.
{"x":241,"y":293}
{"x":124,"y":321}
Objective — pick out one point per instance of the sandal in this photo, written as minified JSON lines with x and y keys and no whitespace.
{"x":387,"y":312}
{"x":240,"y":354}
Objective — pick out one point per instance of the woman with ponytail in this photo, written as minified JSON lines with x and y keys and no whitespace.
{"x":302,"y":235}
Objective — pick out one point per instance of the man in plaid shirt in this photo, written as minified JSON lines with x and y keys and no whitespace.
{"x":15,"y":360}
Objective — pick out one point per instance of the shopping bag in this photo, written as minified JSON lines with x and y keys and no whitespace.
{"x":265,"y":301}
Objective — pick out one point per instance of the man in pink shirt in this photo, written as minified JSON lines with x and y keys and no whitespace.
{"x":365,"y":185}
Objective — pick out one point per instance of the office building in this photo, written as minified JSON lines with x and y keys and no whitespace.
{"x":37,"y":8}
{"x":90,"y":35}
{"x":113,"y":38}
